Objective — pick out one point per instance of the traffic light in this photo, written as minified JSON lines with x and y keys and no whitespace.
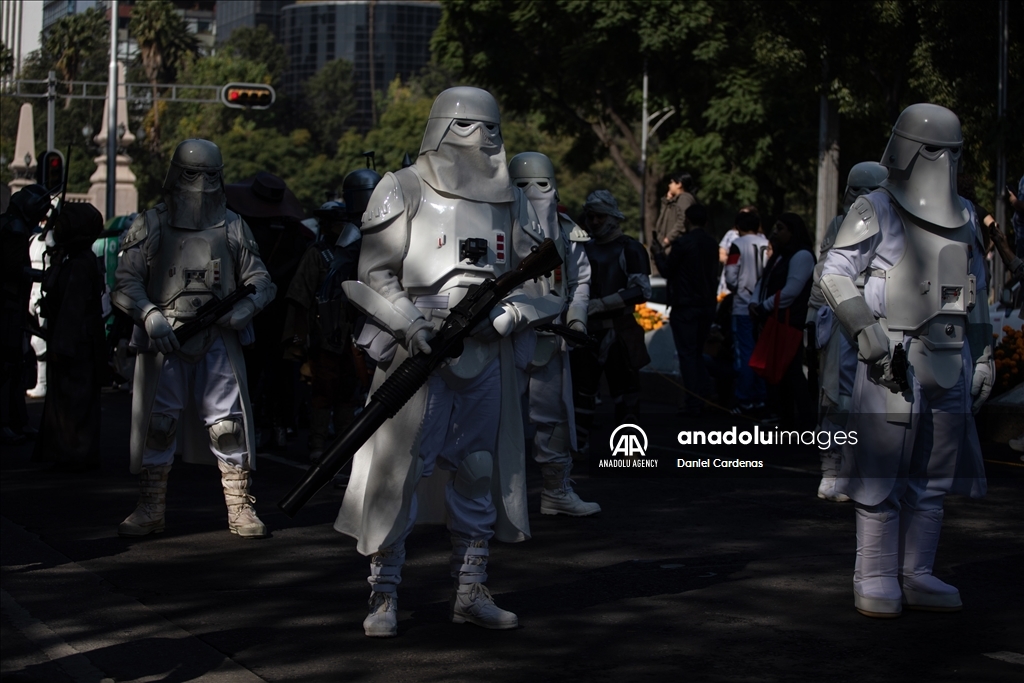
{"x":247,"y":95}
{"x":50,"y":172}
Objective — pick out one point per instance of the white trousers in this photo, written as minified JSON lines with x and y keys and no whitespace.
{"x":210,"y":383}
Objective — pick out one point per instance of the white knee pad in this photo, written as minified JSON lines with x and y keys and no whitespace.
{"x":228,"y":436}
{"x":473,"y":478}
{"x":162,"y":432}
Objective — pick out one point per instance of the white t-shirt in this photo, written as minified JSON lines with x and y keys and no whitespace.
{"x":743,"y":268}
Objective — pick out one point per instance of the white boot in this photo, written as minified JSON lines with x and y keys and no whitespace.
{"x":829,"y":470}
{"x":919,"y":539}
{"x":39,"y":390}
{"x":242,"y":519}
{"x":472,"y":602}
{"x":558,"y":498}
{"x":148,"y":517}
{"x":382,"y":619}
{"x":876,"y":590}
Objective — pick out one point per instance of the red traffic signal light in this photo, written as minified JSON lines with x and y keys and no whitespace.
{"x":50,"y":172}
{"x":247,"y":95}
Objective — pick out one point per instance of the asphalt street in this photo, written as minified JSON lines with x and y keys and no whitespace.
{"x":711,"y":578}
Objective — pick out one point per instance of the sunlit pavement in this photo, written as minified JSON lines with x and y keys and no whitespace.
{"x":711,"y":578}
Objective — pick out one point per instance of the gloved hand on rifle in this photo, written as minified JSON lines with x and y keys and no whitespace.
{"x":501,"y":322}
{"x":160,"y":332}
{"x":984,"y":379}
{"x":239,"y":316}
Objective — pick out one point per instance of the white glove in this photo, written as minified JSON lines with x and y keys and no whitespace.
{"x":160,"y":332}
{"x":504,"y":319}
{"x":501,"y":322}
{"x":239,"y":316}
{"x":417,"y":339}
{"x":578,"y":326}
{"x":984,"y":379}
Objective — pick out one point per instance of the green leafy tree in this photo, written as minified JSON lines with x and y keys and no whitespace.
{"x":74,"y":40}
{"x":329,"y":102}
{"x":6,"y":60}
{"x":260,"y":46}
{"x":164,"y":41}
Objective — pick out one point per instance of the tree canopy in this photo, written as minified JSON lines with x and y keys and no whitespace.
{"x":735,"y":85}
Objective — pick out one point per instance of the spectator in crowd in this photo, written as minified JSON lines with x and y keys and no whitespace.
{"x":1016,"y":202}
{"x":743,"y":269}
{"x":673,"y":209}
{"x":788,"y":274}
{"x":723,"y":249}
{"x":274,"y":215}
{"x":619,"y":279}
{"x":76,"y":351}
{"x":690,"y":267}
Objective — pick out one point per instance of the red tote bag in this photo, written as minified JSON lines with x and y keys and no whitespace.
{"x":776,"y":347}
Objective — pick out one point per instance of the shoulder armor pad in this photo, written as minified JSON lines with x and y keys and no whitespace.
{"x":860,"y":224}
{"x":139,"y":229}
{"x":349,"y":235}
{"x":386,"y":203}
{"x":575,"y":232}
{"x":828,"y":240}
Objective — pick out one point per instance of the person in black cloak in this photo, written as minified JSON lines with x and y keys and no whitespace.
{"x":274,"y":215}
{"x":69,"y":434}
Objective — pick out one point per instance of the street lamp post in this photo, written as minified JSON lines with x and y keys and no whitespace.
{"x":112,"y":115}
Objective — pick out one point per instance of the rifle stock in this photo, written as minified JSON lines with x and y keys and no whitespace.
{"x":404,"y":382}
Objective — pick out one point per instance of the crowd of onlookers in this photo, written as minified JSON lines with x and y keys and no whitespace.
{"x":721,"y":297}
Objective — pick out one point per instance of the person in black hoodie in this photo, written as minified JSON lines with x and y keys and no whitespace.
{"x":788,"y":273}
{"x":73,"y":288}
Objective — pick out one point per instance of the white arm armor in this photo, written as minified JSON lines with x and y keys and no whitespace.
{"x":847,"y":302}
{"x":129,"y":293}
{"x":577,"y":311}
{"x":384,"y":244}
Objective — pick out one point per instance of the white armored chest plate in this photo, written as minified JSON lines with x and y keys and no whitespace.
{"x":190,"y":268}
{"x":454,"y":243}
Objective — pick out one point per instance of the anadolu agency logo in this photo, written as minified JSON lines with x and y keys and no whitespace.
{"x":628,"y":448}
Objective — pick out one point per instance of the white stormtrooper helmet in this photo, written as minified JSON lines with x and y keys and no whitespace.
{"x":864,"y":177}
{"x":532,"y":169}
{"x":194,"y":186}
{"x":463,"y":104}
{"x":462,"y":153}
{"x":922,"y":157}
{"x":534,"y":174}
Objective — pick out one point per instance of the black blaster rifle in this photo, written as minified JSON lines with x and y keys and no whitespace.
{"x":211,"y":312}
{"x":574,"y":337}
{"x":898,"y":366}
{"x":413,"y":373}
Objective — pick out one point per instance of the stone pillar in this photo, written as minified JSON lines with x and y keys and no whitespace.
{"x":25,"y":161}
{"x":126,"y":197}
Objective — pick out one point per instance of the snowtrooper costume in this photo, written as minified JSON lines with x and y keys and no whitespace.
{"x":547,"y":376}
{"x":432,"y":230}
{"x":40,"y":261}
{"x":175,"y":258}
{"x":837,"y":357}
{"x":923,"y":297}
